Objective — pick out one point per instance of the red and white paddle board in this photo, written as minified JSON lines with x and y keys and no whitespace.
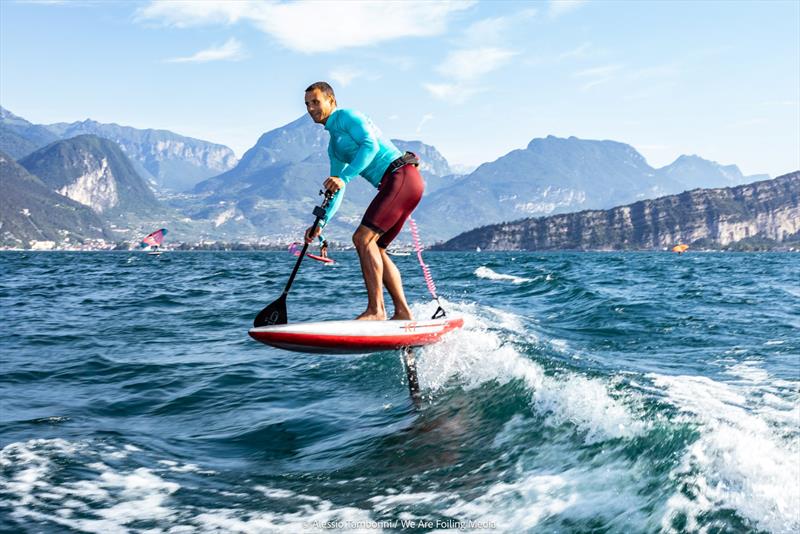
{"x":354,"y":337}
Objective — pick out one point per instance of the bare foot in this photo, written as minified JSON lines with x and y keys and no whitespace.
{"x":371,"y":316}
{"x":402,"y":316}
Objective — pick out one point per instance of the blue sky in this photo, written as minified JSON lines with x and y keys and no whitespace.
{"x":475,"y":79}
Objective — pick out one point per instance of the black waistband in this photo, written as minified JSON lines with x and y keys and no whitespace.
{"x":409,"y":158}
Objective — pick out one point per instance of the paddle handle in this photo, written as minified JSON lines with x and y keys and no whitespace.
{"x":319,"y":213}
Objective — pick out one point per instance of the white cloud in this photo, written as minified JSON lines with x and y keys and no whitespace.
{"x":495,"y":29}
{"x":59,"y":3}
{"x":560,"y":7}
{"x":425,"y":118}
{"x":344,"y":76}
{"x":658,"y":71}
{"x":230,"y":51}
{"x":190,"y":13}
{"x":469,"y":64}
{"x":597,"y":75}
{"x":595,"y":72}
{"x":487,"y":29}
{"x":594,"y":83}
{"x":455,"y":93}
{"x":441,"y":90}
{"x":311,"y":26}
{"x":463,"y":68}
{"x":582,"y":51}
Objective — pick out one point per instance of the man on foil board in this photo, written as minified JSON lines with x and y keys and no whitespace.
{"x":356,"y":148}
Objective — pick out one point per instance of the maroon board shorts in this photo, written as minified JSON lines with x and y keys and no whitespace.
{"x":398,"y":194}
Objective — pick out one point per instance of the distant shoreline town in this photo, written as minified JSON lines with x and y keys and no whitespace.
{"x":100,"y":245}
{"x":751,"y":245}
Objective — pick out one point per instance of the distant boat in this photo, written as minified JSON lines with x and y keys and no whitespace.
{"x":477,"y":249}
{"x":400,"y":250}
{"x":154,"y":240}
{"x":680,"y":249}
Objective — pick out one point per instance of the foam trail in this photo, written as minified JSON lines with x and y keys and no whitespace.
{"x":107,"y":499}
{"x":612,"y":491}
{"x":487,"y":273}
{"x":739,"y":461}
{"x":477,"y":354}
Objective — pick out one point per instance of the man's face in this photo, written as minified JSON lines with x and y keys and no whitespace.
{"x":319,"y":105}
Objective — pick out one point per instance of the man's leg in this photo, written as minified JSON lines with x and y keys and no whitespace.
{"x":394,"y":285}
{"x":366,"y":242}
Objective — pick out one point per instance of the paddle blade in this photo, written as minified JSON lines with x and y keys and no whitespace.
{"x":275,"y":313}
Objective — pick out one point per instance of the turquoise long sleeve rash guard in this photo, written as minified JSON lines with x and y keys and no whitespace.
{"x":356,"y":148}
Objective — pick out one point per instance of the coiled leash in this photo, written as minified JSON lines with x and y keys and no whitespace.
{"x":439,"y":313}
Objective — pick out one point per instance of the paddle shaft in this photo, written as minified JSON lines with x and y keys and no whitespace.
{"x":319,"y":212}
{"x":297,"y":265}
{"x":275,"y":313}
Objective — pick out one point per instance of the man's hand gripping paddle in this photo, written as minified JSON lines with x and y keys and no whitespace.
{"x":275,"y":313}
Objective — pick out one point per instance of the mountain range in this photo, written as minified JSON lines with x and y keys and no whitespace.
{"x":268,"y":195}
{"x":767,"y":211}
{"x":18,"y":137}
{"x":273,"y":186}
{"x":93,"y":171}
{"x":30,"y":211}
{"x":556,"y":175}
{"x":97,"y":182}
{"x":167,"y":161}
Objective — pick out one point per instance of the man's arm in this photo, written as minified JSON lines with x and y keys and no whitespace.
{"x":337,"y":168}
{"x":359,"y":128}
{"x":333,"y":206}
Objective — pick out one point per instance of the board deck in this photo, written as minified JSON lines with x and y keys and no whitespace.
{"x":354,"y":337}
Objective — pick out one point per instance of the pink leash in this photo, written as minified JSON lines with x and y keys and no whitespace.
{"x":425,"y":271}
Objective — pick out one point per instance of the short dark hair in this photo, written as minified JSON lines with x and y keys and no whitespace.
{"x":325,"y":87}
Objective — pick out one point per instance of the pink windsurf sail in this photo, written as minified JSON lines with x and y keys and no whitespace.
{"x":154,"y":239}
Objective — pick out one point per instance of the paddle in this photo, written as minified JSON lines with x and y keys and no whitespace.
{"x":275,"y":313}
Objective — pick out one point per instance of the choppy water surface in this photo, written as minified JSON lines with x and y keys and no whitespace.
{"x":587,"y":392}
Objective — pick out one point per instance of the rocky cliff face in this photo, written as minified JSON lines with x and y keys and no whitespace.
{"x":172,"y":162}
{"x":30,"y":212}
{"x":767,"y":209}
{"x":92,"y":171}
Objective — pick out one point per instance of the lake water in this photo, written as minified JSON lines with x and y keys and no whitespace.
{"x":602,"y":392}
